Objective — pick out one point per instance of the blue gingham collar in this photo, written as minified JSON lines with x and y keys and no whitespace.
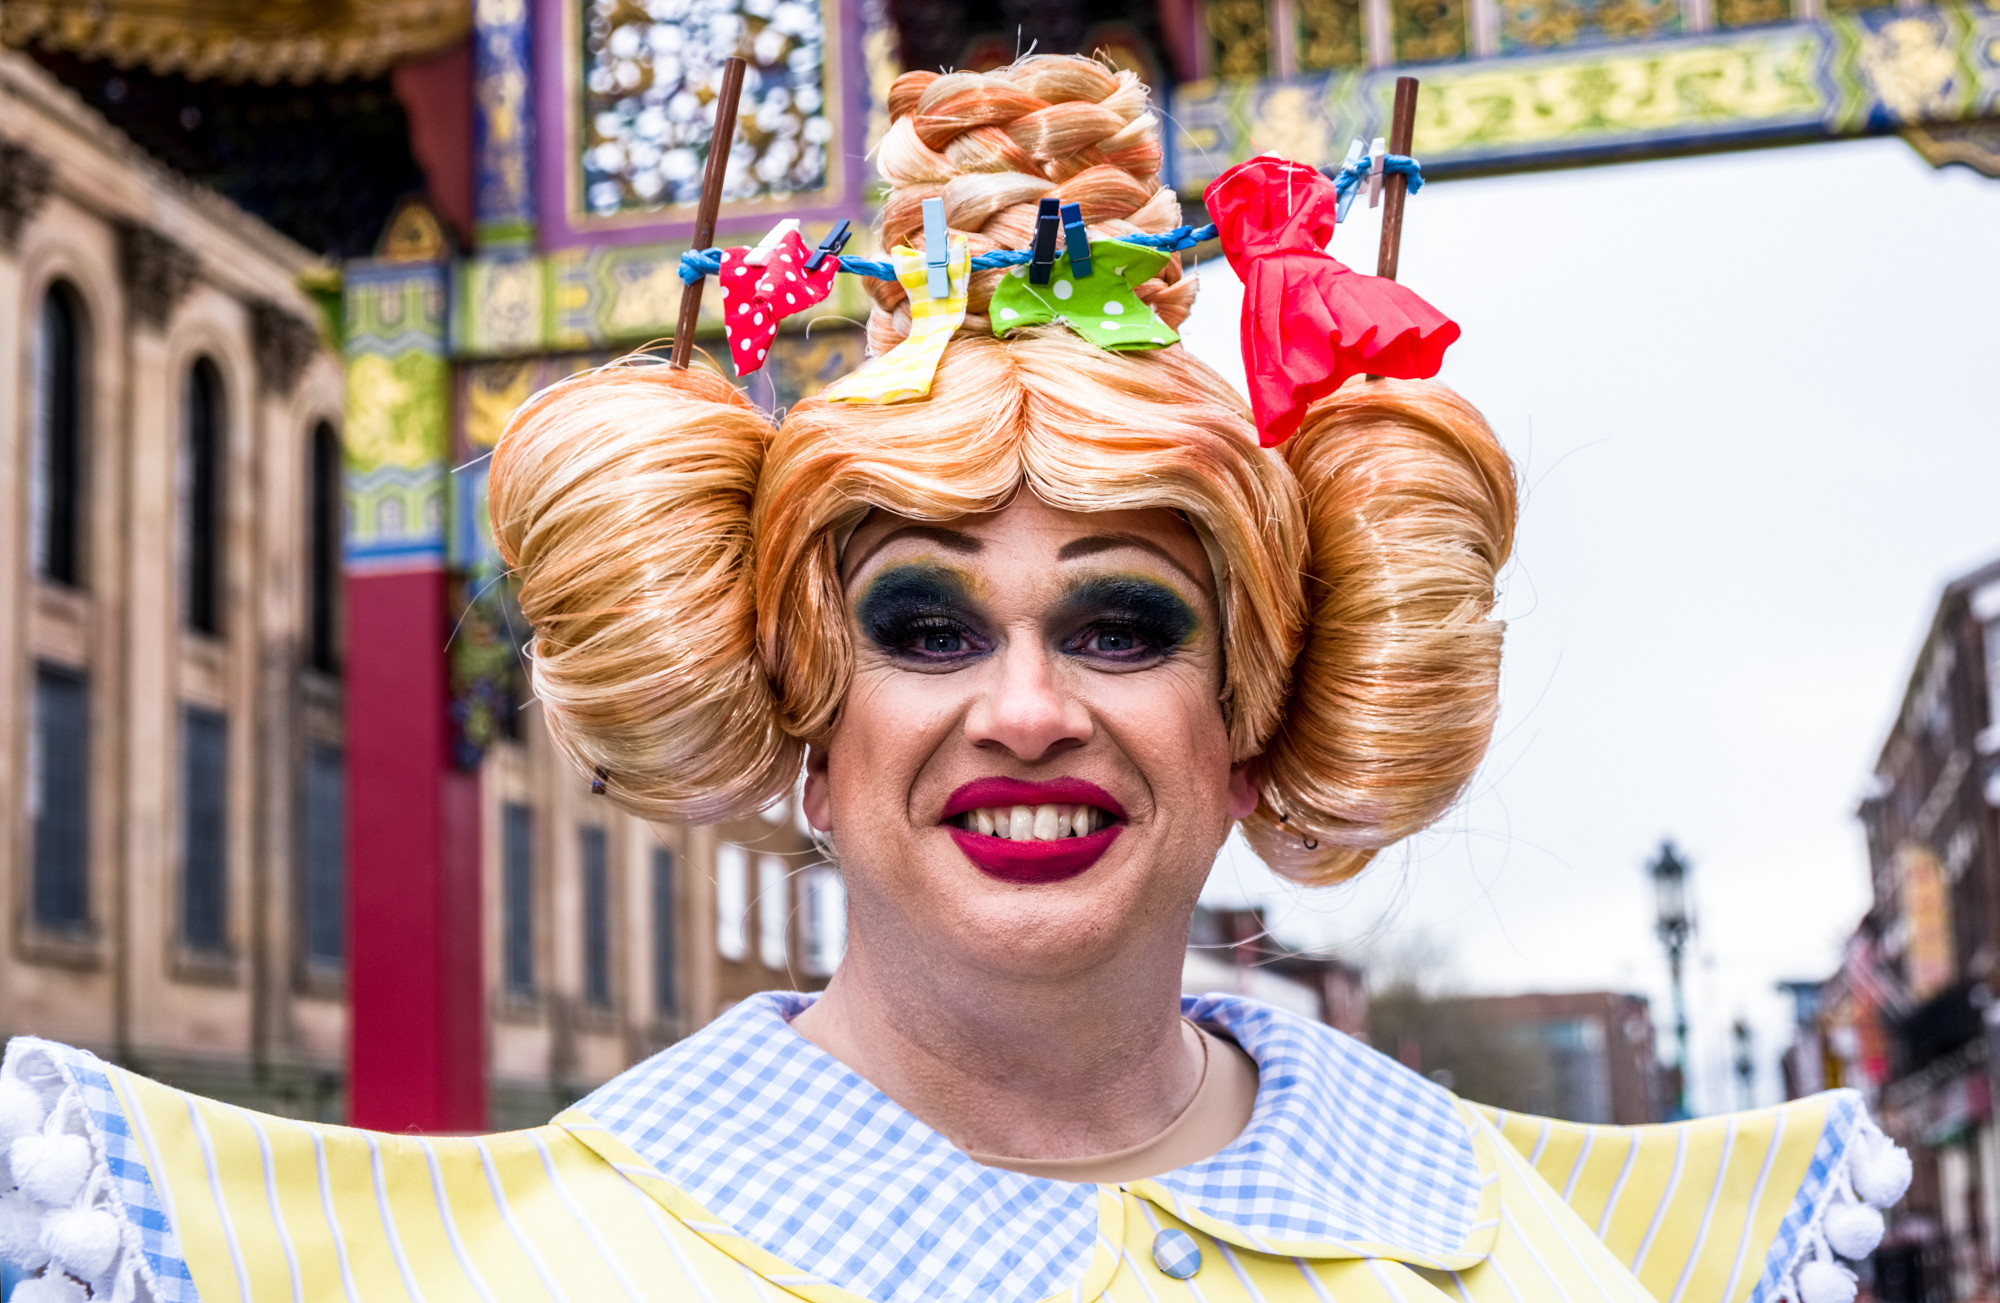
{"x":1347,"y":1154}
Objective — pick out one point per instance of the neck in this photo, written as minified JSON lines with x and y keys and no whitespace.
{"x":1037,"y":1067}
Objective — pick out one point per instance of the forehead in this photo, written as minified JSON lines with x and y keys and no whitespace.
{"x":1029,"y":531}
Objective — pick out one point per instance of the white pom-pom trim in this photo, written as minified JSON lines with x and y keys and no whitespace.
{"x":1873,"y":1173}
{"x":64,"y":1216}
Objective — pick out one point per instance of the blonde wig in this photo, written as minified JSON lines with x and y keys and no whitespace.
{"x":676,"y":553}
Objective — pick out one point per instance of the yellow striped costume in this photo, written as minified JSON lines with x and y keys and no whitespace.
{"x":136,"y":1191}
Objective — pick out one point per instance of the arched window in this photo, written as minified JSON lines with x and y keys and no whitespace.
{"x":55,"y":494}
{"x":201,"y":483}
{"x":323,"y":496}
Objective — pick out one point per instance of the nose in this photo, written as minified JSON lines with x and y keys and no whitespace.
{"x":1026,"y":710}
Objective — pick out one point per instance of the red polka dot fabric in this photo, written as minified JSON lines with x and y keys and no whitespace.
{"x":756,"y":299}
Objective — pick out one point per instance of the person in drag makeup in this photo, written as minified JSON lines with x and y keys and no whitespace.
{"x":1043,"y":611}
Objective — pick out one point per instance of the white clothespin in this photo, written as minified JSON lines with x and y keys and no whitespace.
{"x":761,"y":255}
{"x":1355,"y":150}
{"x":937,"y":250}
{"x":1378,"y":155}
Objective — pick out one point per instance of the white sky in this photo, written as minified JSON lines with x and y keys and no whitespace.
{"x":1755,"y":399}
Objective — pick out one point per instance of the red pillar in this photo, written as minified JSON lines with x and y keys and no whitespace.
{"x":417,"y":1052}
{"x":416,"y":1031}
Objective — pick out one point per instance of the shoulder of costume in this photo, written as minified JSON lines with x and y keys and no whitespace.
{"x":137,"y":1192}
{"x":1748,"y":1207}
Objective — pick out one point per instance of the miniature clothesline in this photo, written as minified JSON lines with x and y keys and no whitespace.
{"x":697,"y":263}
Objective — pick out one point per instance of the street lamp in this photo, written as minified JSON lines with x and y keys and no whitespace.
{"x":1674,"y":923}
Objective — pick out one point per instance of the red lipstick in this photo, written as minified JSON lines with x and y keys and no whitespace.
{"x":1032,"y":862}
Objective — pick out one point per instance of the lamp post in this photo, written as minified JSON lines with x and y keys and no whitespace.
{"x":1674,"y":923}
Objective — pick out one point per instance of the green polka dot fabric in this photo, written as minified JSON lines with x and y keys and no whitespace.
{"x":1101,"y":306}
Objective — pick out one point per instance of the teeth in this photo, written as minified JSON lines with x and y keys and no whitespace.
{"x":1041,"y":823}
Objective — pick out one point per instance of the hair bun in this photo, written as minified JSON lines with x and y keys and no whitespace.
{"x":1409,"y":503}
{"x":622,"y":499}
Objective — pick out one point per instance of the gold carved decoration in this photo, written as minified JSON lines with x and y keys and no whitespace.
{"x":1975,"y":144}
{"x":1426,"y":31}
{"x":1329,"y":35}
{"x":414,"y":234}
{"x":1240,"y":37}
{"x":242,"y":40}
{"x":1752,"y":13}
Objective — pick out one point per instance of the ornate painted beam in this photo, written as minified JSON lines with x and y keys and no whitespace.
{"x":1844,"y":74}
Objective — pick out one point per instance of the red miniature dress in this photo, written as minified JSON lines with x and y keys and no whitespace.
{"x":1310,"y":323}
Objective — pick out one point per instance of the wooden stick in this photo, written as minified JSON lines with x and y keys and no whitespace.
{"x":1402,"y":124}
{"x":719,"y":142}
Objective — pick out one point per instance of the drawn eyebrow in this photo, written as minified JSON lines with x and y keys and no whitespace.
{"x":951,"y":540}
{"x":1092,"y":544}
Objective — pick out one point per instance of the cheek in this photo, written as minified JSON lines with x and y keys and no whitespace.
{"x":890,"y":724}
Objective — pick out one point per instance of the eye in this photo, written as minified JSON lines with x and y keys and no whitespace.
{"x":935,"y":640}
{"x":1117,"y":642}
{"x":943,"y":642}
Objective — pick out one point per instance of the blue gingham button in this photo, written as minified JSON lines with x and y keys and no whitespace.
{"x":1176,"y":1254}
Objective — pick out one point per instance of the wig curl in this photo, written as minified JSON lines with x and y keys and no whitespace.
{"x":676,"y":552}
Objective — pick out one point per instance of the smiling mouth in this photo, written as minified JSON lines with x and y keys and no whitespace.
{"x":1032,"y":833}
{"x":1033,"y":823}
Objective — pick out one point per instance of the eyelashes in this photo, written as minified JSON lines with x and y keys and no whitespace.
{"x":1126,"y":620}
{"x":925,"y":615}
{"x":921,"y":613}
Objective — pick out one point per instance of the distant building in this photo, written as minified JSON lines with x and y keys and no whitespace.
{"x":1232,"y":950}
{"x":1908,"y":1017}
{"x":1584,"y":1056}
{"x":175,"y":684}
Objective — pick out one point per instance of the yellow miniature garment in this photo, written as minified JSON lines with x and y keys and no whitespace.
{"x":906,"y":371}
{"x":232,"y":1206}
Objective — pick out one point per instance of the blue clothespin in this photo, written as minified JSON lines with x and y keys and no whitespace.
{"x":1076,"y":241}
{"x":1378,"y":171}
{"x":1047,"y":220}
{"x":937,"y":249}
{"x":832,"y":244}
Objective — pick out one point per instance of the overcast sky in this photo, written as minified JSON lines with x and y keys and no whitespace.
{"x":1755,"y":399}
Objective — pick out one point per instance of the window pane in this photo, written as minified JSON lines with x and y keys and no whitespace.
{"x":326,"y":857}
{"x":823,"y":920}
{"x":596,"y":920}
{"x":517,"y":898}
{"x":665,"y":1001}
{"x":323,"y":550}
{"x":59,"y":790}
{"x":732,"y":902}
{"x":201,"y":500}
{"x":204,"y":861}
{"x":774,"y":911}
{"x":55,"y":489}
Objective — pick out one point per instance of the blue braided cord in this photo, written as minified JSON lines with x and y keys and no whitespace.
{"x":697,"y":263}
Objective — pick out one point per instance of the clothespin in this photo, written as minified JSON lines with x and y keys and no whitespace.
{"x":761,"y":255}
{"x":937,"y":250}
{"x":1355,"y":150}
{"x":1378,"y":158}
{"x":1076,"y":240}
{"x":832,"y":244}
{"x":1048,"y":219}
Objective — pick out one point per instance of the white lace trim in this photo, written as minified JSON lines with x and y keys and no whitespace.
{"x":1873,"y":1174}
{"x":60,"y":1211}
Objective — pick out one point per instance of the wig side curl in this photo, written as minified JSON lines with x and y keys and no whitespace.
{"x":622,"y":497}
{"x":1410,"y":505}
